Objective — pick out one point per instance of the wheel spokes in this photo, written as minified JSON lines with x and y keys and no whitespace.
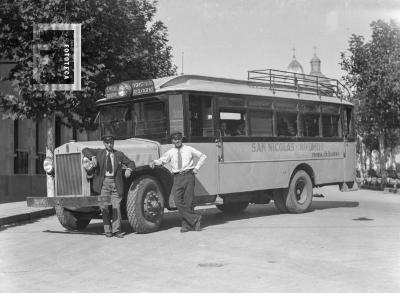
{"x":152,"y":206}
{"x":300,"y":190}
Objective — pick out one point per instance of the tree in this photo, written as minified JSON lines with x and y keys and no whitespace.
{"x":373,"y":75}
{"x":120,"y":40}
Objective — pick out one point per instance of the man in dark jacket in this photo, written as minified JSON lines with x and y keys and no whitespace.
{"x":107,"y":180}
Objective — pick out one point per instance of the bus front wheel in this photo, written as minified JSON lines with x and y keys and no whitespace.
{"x":70,"y":220}
{"x":145,"y":205}
{"x":299,"y":195}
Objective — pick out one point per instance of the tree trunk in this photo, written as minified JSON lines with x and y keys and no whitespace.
{"x":371,"y":164}
{"x":50,"y":152}
{"x":381,"y":139}
{"x":363,"y":167}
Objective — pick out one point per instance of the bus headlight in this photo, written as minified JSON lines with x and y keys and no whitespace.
{"x":124,"y":89}
{"x":48,"y":165}
{"x":87,"y":164}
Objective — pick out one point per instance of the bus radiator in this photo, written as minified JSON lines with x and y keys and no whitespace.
{"x":68,"y":174}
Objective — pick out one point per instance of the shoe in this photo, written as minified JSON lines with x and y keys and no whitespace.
{"x":185,"y":229}
{"x":197,"y":225}
{"x":119,"y":235}
{"x":109,"y":234}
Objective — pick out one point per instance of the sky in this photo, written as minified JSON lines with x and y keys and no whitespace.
{"x":226,"y":38}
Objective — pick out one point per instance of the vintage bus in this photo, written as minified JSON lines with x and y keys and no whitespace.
{"x":272,"y":137}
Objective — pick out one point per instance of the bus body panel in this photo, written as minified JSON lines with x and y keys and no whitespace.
{"x":242,"y":177}
{"x":207,"y":178}
{"x":268,"y":165}
{"x":350,"y":162}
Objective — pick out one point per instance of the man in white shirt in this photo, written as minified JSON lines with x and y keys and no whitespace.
{"x":181,"y":159}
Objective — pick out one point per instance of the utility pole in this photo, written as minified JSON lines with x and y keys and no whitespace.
{"x":182,"y":63}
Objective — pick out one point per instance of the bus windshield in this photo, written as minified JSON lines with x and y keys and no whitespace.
{"x":143,"y":119}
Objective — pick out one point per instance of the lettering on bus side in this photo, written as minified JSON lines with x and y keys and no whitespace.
{"x":262,"y":147}
{"x":258,"y":147}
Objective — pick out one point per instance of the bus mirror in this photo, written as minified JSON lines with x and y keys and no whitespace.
{"x":97,"y":119}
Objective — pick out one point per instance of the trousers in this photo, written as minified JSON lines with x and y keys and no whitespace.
{"x":183,"y":192}
{"x":109,"y":188}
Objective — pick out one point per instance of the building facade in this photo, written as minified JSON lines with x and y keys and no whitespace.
{"x":23,"y":149}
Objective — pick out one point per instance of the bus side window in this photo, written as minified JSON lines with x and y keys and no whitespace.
{"x":232,"y":123}
{"x":201,"y":119}
{"x":330,"y":120}
{"x":348,"y":123}
{"x":309,"y":124}
{"x":287,"y":123}
{"x":261,"y":123}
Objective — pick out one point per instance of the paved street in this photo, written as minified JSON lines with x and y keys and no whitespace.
{"x":349,"y":242}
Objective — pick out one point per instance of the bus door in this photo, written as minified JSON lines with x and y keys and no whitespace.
{"x":349,"y":161}
{"x":201,"y":134}
{"x":233,"y":152}
{"x":219,"y":143}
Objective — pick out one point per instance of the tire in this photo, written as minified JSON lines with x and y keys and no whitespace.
{"x":280,"y":200}
{"x":233,"y":207}
{"x":72,"y":221}
{"x":145,"y":205}
{"x":300,"y":193}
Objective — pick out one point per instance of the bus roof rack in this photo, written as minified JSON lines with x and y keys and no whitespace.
{"x":279,"y":80}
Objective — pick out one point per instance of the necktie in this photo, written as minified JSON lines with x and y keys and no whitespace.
{"x":179,"y":160}
{"x":108,"y":163}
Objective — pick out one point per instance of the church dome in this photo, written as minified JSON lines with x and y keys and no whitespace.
{"x":315,"y":63}
{"x":295,"y":66}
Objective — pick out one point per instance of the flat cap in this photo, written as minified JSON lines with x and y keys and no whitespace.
{"x":176,"y":135}
{"x":107,"y":136}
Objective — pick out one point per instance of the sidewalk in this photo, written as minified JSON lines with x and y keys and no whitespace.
{"x":14,"y":212}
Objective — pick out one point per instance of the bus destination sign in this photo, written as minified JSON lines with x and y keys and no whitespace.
{"x":141,"y":87}
{"x":130,"y":88}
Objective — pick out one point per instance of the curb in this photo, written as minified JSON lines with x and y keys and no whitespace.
{"x":390,"y":190}
{"x":27,"y":216}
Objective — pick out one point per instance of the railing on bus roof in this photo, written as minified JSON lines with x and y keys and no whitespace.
{"x":279,"y":80}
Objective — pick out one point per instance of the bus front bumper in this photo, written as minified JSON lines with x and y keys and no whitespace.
{"x":69,"y":201}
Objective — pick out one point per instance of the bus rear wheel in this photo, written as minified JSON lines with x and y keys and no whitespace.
{"x":233,"y":207}
{"x":280,"y":200}
{"x":145,"y":205}
{"x":70,"y":220}
{"x":299,"y":195}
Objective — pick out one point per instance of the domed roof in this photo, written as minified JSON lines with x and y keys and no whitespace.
{"x":315,"y":63}
{"x":295,"y":66}
{"x":315,"y":59}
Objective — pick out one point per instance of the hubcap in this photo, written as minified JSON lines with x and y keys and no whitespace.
{"x":300,"y":190}
{"x":152,"y":206}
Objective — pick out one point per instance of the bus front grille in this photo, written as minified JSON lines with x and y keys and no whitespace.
{"x":68,"y":174}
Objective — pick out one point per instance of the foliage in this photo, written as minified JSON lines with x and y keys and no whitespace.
{"x":373,"y":75}
{"x":372,"y":173}
{"x":120,"y":41}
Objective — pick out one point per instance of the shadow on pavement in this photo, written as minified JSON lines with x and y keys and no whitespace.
{"x":19,"y":223}
{"x":326,"y":204}
{"x":212,"y":216}
{"x":93,"y":229}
